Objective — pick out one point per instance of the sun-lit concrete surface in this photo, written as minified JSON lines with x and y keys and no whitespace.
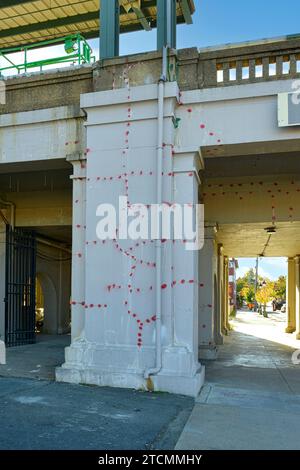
{"x":271,"y":329}
{"x":252,"y":396}
{"x":36,"y":360}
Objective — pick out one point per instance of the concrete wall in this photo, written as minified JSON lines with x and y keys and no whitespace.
{"x":239,"y":120}
{"x":43,"y":135}
{"x":46,"y":90}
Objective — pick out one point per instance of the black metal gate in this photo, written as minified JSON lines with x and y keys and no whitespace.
{"x":20,"y":287}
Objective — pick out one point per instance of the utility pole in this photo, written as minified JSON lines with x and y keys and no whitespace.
{"x":256,"y":283}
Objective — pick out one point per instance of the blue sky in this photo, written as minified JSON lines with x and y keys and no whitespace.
{"x":224,"y":21}
{"x":270,"y":268}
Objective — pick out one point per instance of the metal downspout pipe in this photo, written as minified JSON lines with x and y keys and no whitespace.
{"x":160,"y":141}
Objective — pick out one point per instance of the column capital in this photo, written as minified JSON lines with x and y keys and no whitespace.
{"x":210,"y":230}
{"x":78,"y":161}
{"x":188,"y":159}
{"x":75,"y":157}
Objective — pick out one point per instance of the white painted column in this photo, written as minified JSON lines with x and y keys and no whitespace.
{"x":207,"y":301}
{"x":297,"y":280}
{"x":187,"y":164}
{"x":226,"y":296}
{"x":2,"y":280}
{"x":78,"y":310}
{"x":218,"y":319}
{"x":291,"y":297}
{"x":118,"y":345}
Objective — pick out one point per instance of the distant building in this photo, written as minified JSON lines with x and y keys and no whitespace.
{"x":233,"y":266}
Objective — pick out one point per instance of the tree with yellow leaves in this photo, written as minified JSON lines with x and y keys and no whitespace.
{"x":264,"y":295}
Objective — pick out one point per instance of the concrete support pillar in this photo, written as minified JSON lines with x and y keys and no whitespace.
{"x":208,"y":301}
{"x":117,"y":278}
{"x":226,"y":295}
{"x":109,"y":28}
{"x":219,"y":301}
{"x":166,"y":23}
{"x":64,"y":294}
{"x":2,"y":279}
{"x":79,"y":246}
{"x":291,"y":297}
{"x":297,"y":279}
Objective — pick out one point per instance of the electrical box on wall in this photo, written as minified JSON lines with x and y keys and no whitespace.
{"x":289,"y":109}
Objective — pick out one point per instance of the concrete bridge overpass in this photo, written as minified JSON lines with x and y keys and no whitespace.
{"x":220,"y":127}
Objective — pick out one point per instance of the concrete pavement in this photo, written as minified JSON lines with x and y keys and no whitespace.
{"x":36,"y":360}
{"x":252,"y":396}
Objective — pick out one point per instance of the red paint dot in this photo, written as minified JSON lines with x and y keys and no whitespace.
{"x":202,"y":126}
{"x":164,"y":286}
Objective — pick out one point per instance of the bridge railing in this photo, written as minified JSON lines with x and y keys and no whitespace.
{"x":16,"y":60}
{"x":250,"y":63}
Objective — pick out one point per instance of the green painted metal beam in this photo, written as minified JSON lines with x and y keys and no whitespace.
{"x":186,"y":11}
{"x":12,"y":3}
{"x":166,"y":23}
{"x":143,"y":20}
{"x":44,"y":25}
{"x":110,"y":28}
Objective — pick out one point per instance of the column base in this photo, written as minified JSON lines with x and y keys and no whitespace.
{"x":219,"y":340}
{"x":290,"y":329}
{"x":86,"y":364}
{"x":210,"y":353}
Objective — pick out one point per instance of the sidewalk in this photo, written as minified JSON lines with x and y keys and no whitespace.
{"x":252,"y":397}
{"x":37,"y":360}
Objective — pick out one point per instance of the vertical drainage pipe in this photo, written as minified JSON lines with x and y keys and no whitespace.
{"x":160,"y":141}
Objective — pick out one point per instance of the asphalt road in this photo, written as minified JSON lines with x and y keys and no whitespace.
{"x":45,"y":415}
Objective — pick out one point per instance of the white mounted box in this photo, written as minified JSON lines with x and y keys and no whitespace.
{"x":289,"y":109}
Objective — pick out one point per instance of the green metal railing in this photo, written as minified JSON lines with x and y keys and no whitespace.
{"x":78,"y":52}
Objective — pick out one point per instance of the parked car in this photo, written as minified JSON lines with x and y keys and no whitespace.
{"x":277,"y":304}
